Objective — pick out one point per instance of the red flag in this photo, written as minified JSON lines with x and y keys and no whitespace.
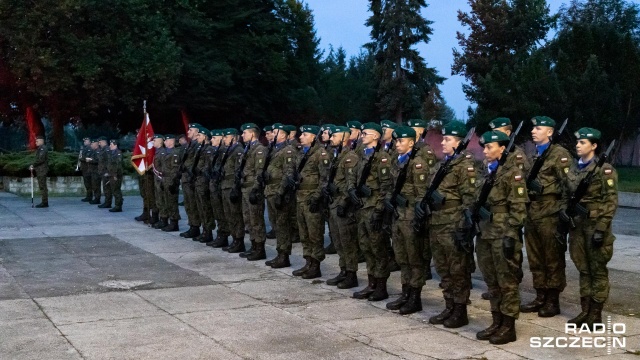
{"x":32,"y":126}
{"x":185,"y":120}
{"x":143,"y":150}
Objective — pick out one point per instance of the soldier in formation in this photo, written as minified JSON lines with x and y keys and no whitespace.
{"x":41,"y":168}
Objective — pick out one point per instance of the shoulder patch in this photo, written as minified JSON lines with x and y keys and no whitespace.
{"x":418,"y":166}
{"x":517,"y":177}
{"x":348,"y":160}
{"x":468,"y":156}
{"x":519,"y":157}
{"x":384,"y":160}
{"x":259,"y":152}
{"x":608,"y":171}
{"x":566,"y":170}
{"x":288,"y":151}
{"x":323,"y":153}
{"x":564,"y":160}
{"x":610,"y":182}
{"x":429,"y":152}
{"x":470,"y":169}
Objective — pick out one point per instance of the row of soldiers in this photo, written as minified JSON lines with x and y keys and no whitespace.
{"x":101,"y":167}
{"x":381,"y":184}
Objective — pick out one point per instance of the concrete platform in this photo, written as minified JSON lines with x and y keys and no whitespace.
{"x":78,"y":282}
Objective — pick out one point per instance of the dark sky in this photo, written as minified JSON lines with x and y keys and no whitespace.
{"x":341,"y":23}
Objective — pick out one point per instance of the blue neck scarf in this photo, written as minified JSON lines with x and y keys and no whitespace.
{"x":492,"y":166}
{"x":305,"y":149}
{"x":404,"y":158}
{"x":369,"y":151}
{"x":541,"y":148}
{"x":582,"y":165}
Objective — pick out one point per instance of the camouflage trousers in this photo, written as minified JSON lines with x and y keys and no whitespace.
{"x":115,"y":188}
{"x":343,"y":232}
{"x":106,"y":188}
{"x":204,"y":205}
{"x":373,"y":245}
{"x":215,"y":197}
{"x":233,"y":214}
{"x":42,"y":186}
{"x":161,"y":202}
{"x":86,"y":178}
{"x":284,"y":225}
{"x":452,"y":265}
{"x":311,"y":230}
{"x":254,"y":216}
{"x":408,"y":248}
{"x":190,"y":205}
{"x":591,"y":263}
{"x":271,"y":214}
{"x":500,"y":275}
{"x":171,"y":202}
{"x":96,"y":179}
{"x":545,"y":255}
{"x":147,"y":190}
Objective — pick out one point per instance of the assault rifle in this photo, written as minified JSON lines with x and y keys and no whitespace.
{"x":533,"y":183}
{"x":362,"y":190}
{"x":267,"y":160}
{"x":479,"y":211}
{"x":192,"y":172}
{"x":175,"y":182}
{"x":433,"y":199}
{"x":218,"y":171}
{"x":235,"y":194}
{"x":294,"y":182}
{"x":331,"y":189}
{"x":397,"y":199}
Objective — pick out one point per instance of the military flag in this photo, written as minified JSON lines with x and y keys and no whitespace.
{"x":143,"y":150}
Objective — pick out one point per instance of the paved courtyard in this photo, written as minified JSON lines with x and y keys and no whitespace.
{"x":78,"y":282}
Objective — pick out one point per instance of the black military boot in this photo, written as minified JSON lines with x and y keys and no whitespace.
{"x":234,"y":243}
{"x":271,"y":234}
{"x":585,"y":301}
{"x":161,"y":223}
{"x":445,"y":314}
{"x":330,"y":249}
{"x":154,"y":218}
{"x":116,"y":208}
{"x":303,"y":269}
{"x":44,"y":204}
{"x":595,"y":314}
{"x":486,"y":296}
{"x":269,"y":262}
{"x":96,"y":201}
{"x":244,"y":254}
{"x":458,"y":318}
{"x":368,"y":290}
{"x":495,"y":325}
{"x":380,"y":293}
{"x":238,"y":247}
{"x":401,"y":300}
{"x":428,"y":275}
{"x":87,"y":198}
{"x":144,"y":216}
{"x":206,"y":236}
{"x":350,"y":280}
{"x":506,"y":333}
{"x":258,"y":253}
{"x":220,"y":241}
{"x":192,"y":232}
{"x":536,"y":304}
{"x":172,"y":227}
{"x":281,"y":261}
{"x":336,"y":280}
{"x":551,"y":305}
{"x":314,"y":270}
{"x":414,"y":303}
{"x":104,"y":205}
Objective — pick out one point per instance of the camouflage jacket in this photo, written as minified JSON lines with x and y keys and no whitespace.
{"x":426,"y":152}
{"x":507,"y":201}
{"x":414,"y":187}
{"x":114,"y":164}
{"x":314,"y":175}
{"x":41,"y":163}
{"x":601,"y":199}
{"x":458,"y":188}
{"x":282,"y":165}
{"x":254,"y":165}
{"x":347,"y":162}
{"x":171,"y":165}
{"x":103,"y":160}
{"x":379,"y":181}
{"x":552,"y":176}
{"x":191,"y":148}
{"x":157,"y":163}
{"x":231,"y":166}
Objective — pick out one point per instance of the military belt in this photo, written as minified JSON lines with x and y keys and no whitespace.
{"x":547,"y":197}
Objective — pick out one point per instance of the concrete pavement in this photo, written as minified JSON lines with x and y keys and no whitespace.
{"x":79,"y":282}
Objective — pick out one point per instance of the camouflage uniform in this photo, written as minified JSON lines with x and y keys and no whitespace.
{"x":254,"y":214}
{"x":96,"y":177}
{"x":114,"y":170}
{"x":232,"y":210}
{"x":170,"y":173}
{"x":281,"y":166}
{"x":158,"y":171}
{"x":41,"y":168}
{"x":507,"y":202}
{"x":203,"y":195}
{"x":426,"y":152}
{"x":601,"y":201}
{"x":85,"y":152}
{"x":452,"y":264}
{"x":312,"y":178}
{"x":188,"y":186}
{"x":545,"y":255}
{"x":215,"y":193}
{"x":103,"y":161}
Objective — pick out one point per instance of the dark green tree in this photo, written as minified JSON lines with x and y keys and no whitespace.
{"x":403,"y":77}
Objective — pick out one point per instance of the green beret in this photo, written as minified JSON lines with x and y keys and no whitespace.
{"x":388,"y":124}
{"x":587,"y":133}
{"x":339,"y":129}
{"x":194,"y":125}
{"x":41,"y":137}
{"x":290,"y":128}
{"x":230,"y":131}
{"x":169,"y":137}
{"x":354,"y":124}
{"x":372,"y":126}
{"x":86,"y":138}
{"x":102,"y":138}
{"x":417,"y":123}
{"x":248,"y":126}
{"x":312,"y":129}
{"x":217,"y":132}
{"x":543,"y":121}
{"x":280,"y":127}
{"x":404,"y":132}
{"x":203,"y":130}
{"x":267,"y":128}
{"x":499,"y":122}
{"x":158,"y":136}
{"x":327,"y":127}
{"x":181,"y":136}
{"x":94,"y":140}
{"x":114,"y":141}
{"x":455,"y":128}
{"x":493,"y":136}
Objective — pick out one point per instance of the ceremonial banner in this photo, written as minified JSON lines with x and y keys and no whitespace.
{"x":143,"y":150}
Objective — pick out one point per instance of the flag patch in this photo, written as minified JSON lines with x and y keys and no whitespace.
{"x":418,"y":166}
{"x":518,"y":177}
{"x":383,"y":161}
{"x":564,"y":160}
{"x":608,"y":171}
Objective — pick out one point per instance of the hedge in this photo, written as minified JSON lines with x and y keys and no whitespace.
{"x":60,"y":163}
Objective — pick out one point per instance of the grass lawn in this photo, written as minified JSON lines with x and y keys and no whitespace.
{"x":629,"y":179}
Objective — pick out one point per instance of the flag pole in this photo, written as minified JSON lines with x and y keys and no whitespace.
{"x":31,"y":187}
